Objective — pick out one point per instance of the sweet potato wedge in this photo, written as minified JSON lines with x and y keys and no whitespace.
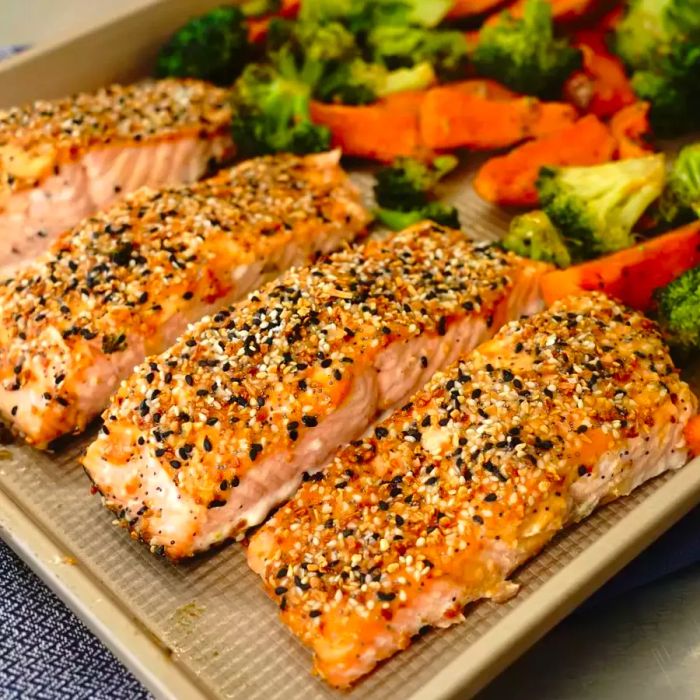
{"x":472,"y":8}
{"x":630,"y":275}
{"x":601,"y":87}
{"x":454,"y":117}
{"x":692,"y":435}
{"x":380,"y":131}
{"x":630,"y":128}
{"x":510,"y":179}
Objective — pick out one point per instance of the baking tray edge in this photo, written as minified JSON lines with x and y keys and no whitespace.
{"x":93,"y":603}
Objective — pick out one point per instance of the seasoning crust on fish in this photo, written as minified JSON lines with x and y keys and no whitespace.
{"x":557,"y":414}
{"x":62,"y":160}
{"x":204,"y":440}
{"x":125,"y":283}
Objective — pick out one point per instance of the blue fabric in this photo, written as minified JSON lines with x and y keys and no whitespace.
{"x":45,"y":652}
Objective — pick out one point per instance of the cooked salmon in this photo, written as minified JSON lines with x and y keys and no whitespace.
{"x":125,"y":283}
{"x":203,"y":441}
{"x":557,"y":414}
{"x":62,"y":160}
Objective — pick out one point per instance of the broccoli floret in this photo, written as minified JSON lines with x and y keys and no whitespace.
{"x":309,"y":52}
{"x":399,"y":47}
{"x":361,"y":15}
{"x":534,"y":236}
{"x":524,"y":54}
{"x":680,"y":201}
{"x":407,"y":183}
{"x":211,"y":47}
{"x":271,"y":114}
{"x":596,"y":207}
{"x":678,"y":311}
{"x":358,"y":82}
{"x":258,"y":8}
{"x":651,"y":28}
{"x":404,"y":192}
{"x":673,"y":90}
{"x":439,"y":212}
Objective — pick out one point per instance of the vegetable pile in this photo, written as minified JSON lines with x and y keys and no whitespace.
{"x":575,"y":93}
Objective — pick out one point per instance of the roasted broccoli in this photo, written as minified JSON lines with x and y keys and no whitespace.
{"x":259,"y":8}
{"x":680,"y":201}
{"x":524,"y":54}
{"x":211,"y":47}
{"x":408,"y":183}
{"x":596,"y":207}
{"x":309,"y":52}
{"x":673,"y":90}
{"x":399,"y":47}
{"x":651,"y":28}
{"x":678,"y":311}
{"x":361,"y":15}
{"x":358,"y":82}
{"x":534,"y":236}
{"x":439,"y":212}
{"x":404,"y":192}
{"x":271,"y":114}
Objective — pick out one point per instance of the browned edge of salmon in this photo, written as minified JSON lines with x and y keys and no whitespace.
{"x":203,"y":441}
{"x":557,"y":414}
{"x":62,"y":160}
{"x":125,"y":283}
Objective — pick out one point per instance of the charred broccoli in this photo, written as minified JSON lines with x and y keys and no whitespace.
{"x":673,"y":90}
{"x":678,"y":311}
{"x":400,"y":47}
{"x":534,"y":236}
{"x":259,"y":8}
{"x":596,"y":207}
{"x":404,"y":192}
{"x":211,"y":47}
{"x":524,"y":54}
{"x":358,"y":82}
{"x":650,"y":29}
{"x":439,"y":212}
{"x":309,"y":52}
{"x":361,"y":15}
{"x":271,"y":114}
{"x":680,"y":200}
{"x":408,"y":183}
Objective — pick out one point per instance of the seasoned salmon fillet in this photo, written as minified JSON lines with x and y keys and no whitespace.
{"x":62,"y":160}
{"x":203,"y":441}
{"x":125,"y":283}
{"x":557,"y":414}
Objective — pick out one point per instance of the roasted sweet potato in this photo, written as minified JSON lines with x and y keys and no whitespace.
{"x":601,"y":87}
{"x":472,"y":8}
{"x":510,"y":179}
{"x":633,"y":274}
{"x":455,"y":117}
{"x":380,"y":131}
{"x":630,"y":127}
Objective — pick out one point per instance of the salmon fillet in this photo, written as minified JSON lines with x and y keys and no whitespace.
{"x":125,"y":283}
{"x":203,"y":441}
{"x":557,"y":414}
{"x":62,"y":160}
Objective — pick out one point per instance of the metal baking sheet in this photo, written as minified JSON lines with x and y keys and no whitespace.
{"x":205,"y":629}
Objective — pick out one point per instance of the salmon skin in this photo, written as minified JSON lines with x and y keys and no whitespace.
{"x":571,"y":408}
{"x":203,"y":441}
{"x":125,"y":283}
{"x":62,"y":160}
